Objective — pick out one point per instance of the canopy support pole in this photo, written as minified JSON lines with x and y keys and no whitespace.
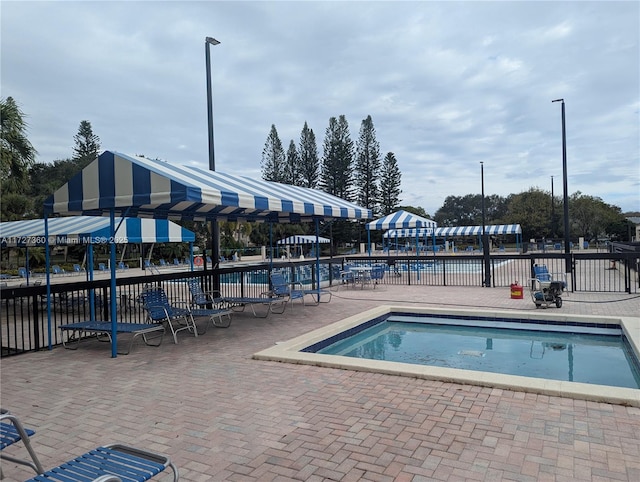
{"x":317,"y":222}
{"x":112,"y":262}
{"x":48,"y":278}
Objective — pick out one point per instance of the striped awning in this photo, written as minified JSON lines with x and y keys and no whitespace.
{"x":139,"y":187}
{"x":409,"y":233}
{"x":401,"y":220}
{"x":303,"y":239}
{"x":491,"y":230}
{"x":92,"y":230}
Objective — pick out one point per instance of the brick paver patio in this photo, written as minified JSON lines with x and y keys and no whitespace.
{"x":222,"y":416}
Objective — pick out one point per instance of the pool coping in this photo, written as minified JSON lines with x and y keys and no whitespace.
{"x":289,"y":352}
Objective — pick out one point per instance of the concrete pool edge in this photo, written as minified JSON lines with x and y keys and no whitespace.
{"x":289,"y":352}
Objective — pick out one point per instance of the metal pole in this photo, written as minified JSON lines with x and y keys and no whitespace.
{"x":565,"y":195}
{"x":485,"y":238}
{"x":215,"y":232}
{"x":553,"y":213}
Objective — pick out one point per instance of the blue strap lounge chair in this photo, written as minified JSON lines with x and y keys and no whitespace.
{"x":12,"y":432}
{"x":156,"y":303}
{"x":208,"y":304}
{"x":151,"y":334}
{"x":108,"y":462}
{"x":294,"y":291}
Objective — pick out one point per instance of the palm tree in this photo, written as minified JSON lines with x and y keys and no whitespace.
{"x":17,"y":154}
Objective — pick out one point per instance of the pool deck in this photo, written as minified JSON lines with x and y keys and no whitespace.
{"x":222,"y":415}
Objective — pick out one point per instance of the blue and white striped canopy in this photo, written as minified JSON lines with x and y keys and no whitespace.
{"x":492,"y":230}
{"x":303,"y":239}
{"x":92,"y":230}
{"x":401,"y":220}
{"x":140,"y":187}
{"x":409,"y":233}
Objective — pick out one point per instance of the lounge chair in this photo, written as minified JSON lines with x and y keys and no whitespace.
{"x":294,"y":291}
{"x":102,"y":267}
{"x":12,"y":432}
{"x":122,"y":266}
{"x":266,"y":300}
{"x":102,"y":331}
{"x":209,"y":304}
{"x":77,"y":269}
{"x":55,"y":269}
{"x":22,"y":272}
{"x":159,"y":310}
{"x":108,"y":462}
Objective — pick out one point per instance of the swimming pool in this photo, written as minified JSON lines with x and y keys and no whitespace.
{"x":293,"y":351}
{"x":599,"y":354}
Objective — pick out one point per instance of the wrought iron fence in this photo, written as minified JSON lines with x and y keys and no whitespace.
{"x":27,"y":325}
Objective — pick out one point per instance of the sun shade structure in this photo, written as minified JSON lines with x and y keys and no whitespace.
{"x":401,"y":220}
{"x":303,"y":239}
{"x":131,"y":186}
{"x":138,"y":187}
{"x":492,"y":230}
{"x":76,"y":230}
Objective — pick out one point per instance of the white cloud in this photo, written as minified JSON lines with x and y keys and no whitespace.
{"x":448,"y":84}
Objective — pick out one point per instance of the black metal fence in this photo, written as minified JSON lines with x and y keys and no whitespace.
{"x":25,"y":324}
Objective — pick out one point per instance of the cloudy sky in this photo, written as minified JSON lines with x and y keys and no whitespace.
{"x":448,"y":85}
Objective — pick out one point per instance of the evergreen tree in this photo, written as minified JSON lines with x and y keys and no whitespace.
{"x":273,"y":158}
{"x":87,"y":145}
{"x":367,"y":166}
{"x":390,"y":178}
{"x":17,"y":154}
{"x":292,"y":166}
{"x":337,"y":160}
{"x":309,"y":162}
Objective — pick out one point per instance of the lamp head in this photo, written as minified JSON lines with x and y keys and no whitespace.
{"x":558,"y":100}
{"x":211,"y":40}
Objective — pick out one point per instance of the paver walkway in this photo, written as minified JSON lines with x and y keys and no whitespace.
{"x":222,"y":416}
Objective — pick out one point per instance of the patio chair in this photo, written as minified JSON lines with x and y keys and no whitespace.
{"x":156,"y":303}
{"x":541,"y":273}
{"x":102,"y":267}
{"x":22,"y":272}
{"x":110,"y":463}
{"x":347,"y":277}
{"x":377,"y":274}
{"x":55,"y":269}
{"x":12,"y":432}
{"x":122,"y":266}
{"x":209,"y":304}
{"x":289,"y":291}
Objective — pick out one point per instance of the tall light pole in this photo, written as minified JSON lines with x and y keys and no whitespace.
{"x":485,"y":238}
{"x":565,"y":195}
{"x":215,"y":233}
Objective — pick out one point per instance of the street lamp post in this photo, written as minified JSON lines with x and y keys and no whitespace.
{"x":485,"y":238}
{"x":215,"y":233}
{"x":565,"y":195}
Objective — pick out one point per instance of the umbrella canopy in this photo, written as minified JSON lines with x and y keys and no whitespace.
{"x":303,"y":239}
{"x":399,"y":220}
{"x":92,"y":230}
{"x":138,"y":187}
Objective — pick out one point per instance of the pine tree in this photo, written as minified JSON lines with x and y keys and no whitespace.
{"x":367,"y":166}
{"x":337,"y":160}
{"x":291,"y":174}
{"x":309,"y":162}
{"x":273,"y":158}
{"x":87,"y":145}
{"x":390,"y":178}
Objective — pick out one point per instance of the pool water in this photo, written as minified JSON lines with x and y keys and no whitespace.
{"x":595,"y":355}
